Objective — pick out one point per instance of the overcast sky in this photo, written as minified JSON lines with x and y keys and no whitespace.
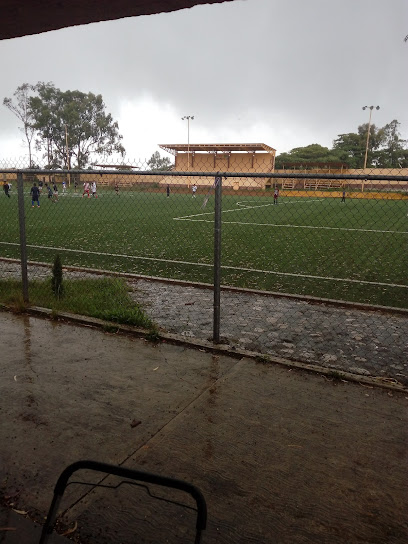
{"x":286,"y":73}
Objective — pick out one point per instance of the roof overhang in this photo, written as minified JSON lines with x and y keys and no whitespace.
{"x":23,"y":17}
{"x":216,"y":148}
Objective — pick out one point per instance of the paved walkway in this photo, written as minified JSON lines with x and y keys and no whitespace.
{"x":358,"y":341}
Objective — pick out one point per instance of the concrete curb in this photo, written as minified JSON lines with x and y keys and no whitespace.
{"x":220,"y":349}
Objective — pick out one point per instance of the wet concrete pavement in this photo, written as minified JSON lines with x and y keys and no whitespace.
{"x":280,"y":455}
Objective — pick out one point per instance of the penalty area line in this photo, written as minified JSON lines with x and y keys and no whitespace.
{"x":242,"y":223}
{"x":244,"y":207}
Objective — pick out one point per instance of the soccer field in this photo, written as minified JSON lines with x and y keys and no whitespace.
{"x":355,"y":250}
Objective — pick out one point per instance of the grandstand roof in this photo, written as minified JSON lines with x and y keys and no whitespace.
{"x":213,"y":148}
{"x":24,"y":17}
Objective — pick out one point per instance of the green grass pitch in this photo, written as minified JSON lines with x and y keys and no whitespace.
{"x":355,"y":250}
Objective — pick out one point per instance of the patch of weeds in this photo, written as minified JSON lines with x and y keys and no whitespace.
{"x":153,"y":335}
{"x":262,"y":359}
{"x":104,"y":298}
{"x":110,"y":328}
{"x":17,"y":304}
{"x":11,"y":295}
{"x":54,"y":315}
{"x":334,"y":375}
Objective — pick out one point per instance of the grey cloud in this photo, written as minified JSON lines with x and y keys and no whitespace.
{"x":306,"y":67}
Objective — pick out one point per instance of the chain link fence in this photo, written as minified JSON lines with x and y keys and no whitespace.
{"x":308,"y":263}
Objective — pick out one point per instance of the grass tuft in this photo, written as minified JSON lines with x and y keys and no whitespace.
{"x":153,"y":335}
{"x":334,"y":375}
{"x":262,"y":359}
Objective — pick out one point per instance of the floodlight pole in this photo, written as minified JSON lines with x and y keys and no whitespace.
{"x":368,"y":131}
{"x":188,"y":117}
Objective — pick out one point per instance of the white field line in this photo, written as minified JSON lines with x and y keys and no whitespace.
{"x":225,"y":267}
{"x":298,"y":226}
{"x":244,"y":207}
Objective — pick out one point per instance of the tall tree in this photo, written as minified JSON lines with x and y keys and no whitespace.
{"x":393,"y":153}
{"x":45,"y":108}
{"x":20,"y":106}
{"x":75,"y":118}
{"x":351,"y":146}
{"x":157,"y":162}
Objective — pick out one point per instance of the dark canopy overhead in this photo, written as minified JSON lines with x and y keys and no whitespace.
{"x":23,"y":17}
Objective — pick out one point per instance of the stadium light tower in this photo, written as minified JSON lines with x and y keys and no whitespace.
{"x":188,"y":117}
{"x":368,"y":131}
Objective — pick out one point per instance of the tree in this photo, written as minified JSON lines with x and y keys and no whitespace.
{"x":44,"y":107}
{"x":22,"y":110}
{"x":386,"y":148}
{"x":77,"y":118}
{"x":393,"y":153}
{"x":311,"y":154}
{"x":351,"y":147}
{"x":159,"y":163}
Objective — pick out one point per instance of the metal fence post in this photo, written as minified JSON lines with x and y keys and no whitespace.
{"x":217,"y":259}
{"x":23,"y":241}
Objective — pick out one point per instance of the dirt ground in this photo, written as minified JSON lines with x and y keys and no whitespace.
{"x":280,"y":455}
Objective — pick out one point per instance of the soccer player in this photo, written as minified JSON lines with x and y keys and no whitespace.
{"x":168,"y":190}
{"x":93,"y":189}
{"x":49,"y":191}
{"x":276,"y":195}
{"x":35,"y":195}
{"x":86,"y":190}
{"x":117,"y":187}
{"x":55,"y":192}
{"x":194,"y":189}
{"x":343,"y":198}
{"x":64,"y":187}
{"x":6,"y":188}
